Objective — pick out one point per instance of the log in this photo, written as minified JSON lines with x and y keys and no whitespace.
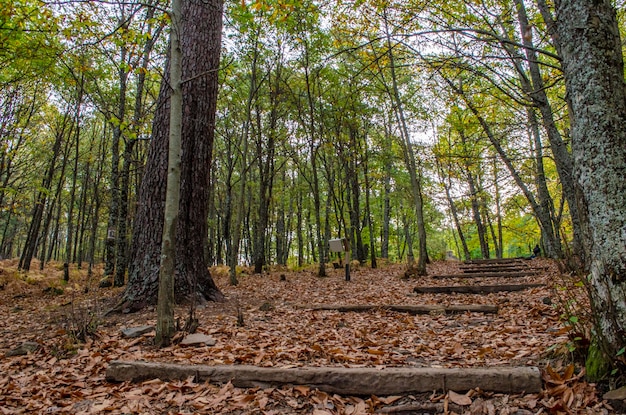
{"x":340,"y":380}
{"x":431,"y":407}
{"x":411,"y":309}
{"x":501,"y":267}
{"x":488,"y":266}
{"x":495,"y":269}
{"x":474,"y":289}
{"x":489,"y":275}
{"x":495,"y":261}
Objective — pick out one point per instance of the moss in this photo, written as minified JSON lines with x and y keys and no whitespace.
{"x":597,"y":364}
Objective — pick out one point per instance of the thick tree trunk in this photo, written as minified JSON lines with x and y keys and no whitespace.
{"x":594,"y":77}
{"x":201,"y":42}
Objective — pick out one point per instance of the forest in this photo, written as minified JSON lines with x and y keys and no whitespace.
{"x":327,"y":117}
{"x":418,"y":131}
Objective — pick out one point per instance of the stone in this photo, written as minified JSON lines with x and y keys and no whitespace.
{"x":24,"y":349}
{"x":198,"y":339}
{"x":132,"y":332}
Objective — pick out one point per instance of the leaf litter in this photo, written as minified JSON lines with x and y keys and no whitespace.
{"x":266,"y":322}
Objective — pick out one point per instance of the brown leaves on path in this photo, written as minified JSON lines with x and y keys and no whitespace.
{"x":67,"y":376}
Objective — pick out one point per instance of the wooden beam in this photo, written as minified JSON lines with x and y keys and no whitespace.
{"x":494,"y":269}
{"x":341,"y":380}
{"x":495,"y":261}
{"x":474,"y":289}
{"x":411,"y":309}
{"x":487,"y":274}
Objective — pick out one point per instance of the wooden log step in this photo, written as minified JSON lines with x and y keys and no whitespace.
{"x":340,"y":380}
{"x":495,"y":269}
{"x":494,"y":261}
{"x":528,"y":273}
{"x":489,"y":266}
{"x":411,"y":309}
{"x":474,"y":289}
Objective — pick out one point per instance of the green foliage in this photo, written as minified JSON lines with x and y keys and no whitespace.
{"x":28,"y":43}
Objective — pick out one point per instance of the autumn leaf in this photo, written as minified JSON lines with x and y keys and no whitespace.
{"x":459,"y":399}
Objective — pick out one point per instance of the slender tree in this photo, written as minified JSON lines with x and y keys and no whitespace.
{"x":165,"y":303}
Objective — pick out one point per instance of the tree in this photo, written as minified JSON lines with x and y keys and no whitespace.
{"x":409,"y":153}
{"x":200,"y":43}
{"x":588,"y":33}
{"x":165,"y":327}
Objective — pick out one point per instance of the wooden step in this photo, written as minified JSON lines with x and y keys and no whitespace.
{"x":494,"y":269}
{"x":495,"y":261}
{"x":362,"y":381}
{"x":474,"y":289}
{"x":528,"y":273}
{"x":411,"y":309}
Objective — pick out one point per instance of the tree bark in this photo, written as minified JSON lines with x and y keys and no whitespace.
{"x":201,"y":43}
{"x":165,"y":326}
{"x":594,"y":77}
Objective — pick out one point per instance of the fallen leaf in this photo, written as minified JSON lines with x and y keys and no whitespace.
{"x":457,"y":398}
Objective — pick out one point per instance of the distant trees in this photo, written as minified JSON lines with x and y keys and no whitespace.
{"x":440,"y":128}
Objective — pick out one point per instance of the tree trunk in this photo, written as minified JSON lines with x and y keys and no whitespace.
{"x":265,"y":160}
{"x":562,"y":157}
{"x":70,"y":214}
{"x":592,"y":62}
{"x":33,"y":232}
{"x":96,"y":204}
{"x":474,"y":198}
{"x":201,"y":43}
{"x":368,"y":212}
{"x":165,"y":326}
{"x":114,"y":205}
{"x":500,"y":240}
{"x":299,"y":229}
{"x":409,"y":158}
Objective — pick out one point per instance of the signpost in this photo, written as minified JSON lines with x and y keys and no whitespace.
{"x":342,"y":245}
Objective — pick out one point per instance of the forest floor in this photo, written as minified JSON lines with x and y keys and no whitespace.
{"x":266,"y":321}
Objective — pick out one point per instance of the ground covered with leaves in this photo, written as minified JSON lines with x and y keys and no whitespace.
{"x":268,"y":320}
